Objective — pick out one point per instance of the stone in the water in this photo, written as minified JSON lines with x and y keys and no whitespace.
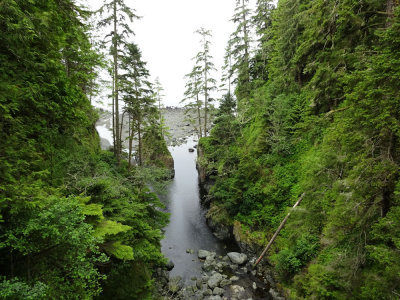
{"x":216,"y":297}
{"x":203,"y":254}
{"x":218,"y":291}
{"x":170,"y":265}
{"x":190,"y":251}
{"x":237,"y":291}
{"x":209,"y":264}
{"x":175,"y":284}
{"x":199,"y":284}
{"x":225,"y":282}
{"x":214,"y":280}
{"x":191,"y":150}
{"x":237,"y":258}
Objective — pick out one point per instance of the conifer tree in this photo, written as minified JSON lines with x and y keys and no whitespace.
{"x":118,"y":12}
{"x":192,"y":99}
{"x":158,"y":94}
{"x":204,"y":61}
{"x":239,"y":42}
{"x":136,"y":90}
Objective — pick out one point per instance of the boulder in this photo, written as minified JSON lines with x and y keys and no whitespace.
{"x":170,"y":265}
{"x":216,"y":297}
{"x":237,"y":291}
{"x":175,"y":284}
{"x":214,"y":280}
{"x":237,"y":258}
{"x":225,"y":282}
{"x":218,"y":291}
{"x":191,"y":150}
{"x":202,"y":254}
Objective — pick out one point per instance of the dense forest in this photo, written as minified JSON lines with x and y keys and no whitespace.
{"x":315,"y":110}
{"x":75,"y":222}
{"x":311,"y":107}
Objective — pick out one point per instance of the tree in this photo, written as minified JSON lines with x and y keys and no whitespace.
{"x":239,"y":45}
{"x":192,"y":92}
{"x":204,"y":61}
{"x":137,"y":94}
{"x":117,"y":11}
{"x":158,"y":94}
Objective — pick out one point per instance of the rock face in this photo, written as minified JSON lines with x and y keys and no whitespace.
{"x":237,"y":258}
{"x":220,"y":231}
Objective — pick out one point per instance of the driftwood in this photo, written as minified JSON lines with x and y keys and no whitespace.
{"x":278,"y":230}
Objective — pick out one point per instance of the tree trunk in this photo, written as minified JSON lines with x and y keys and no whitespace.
{"x":139,"y":139}
{"x":120,"y":131}
{"x":113,"y":116}
{"x":198,"y":104}
{"x":118,"y":142}
{"x":130,"y":132}
{"x":205,"y":89}
{"x":278,"y":230}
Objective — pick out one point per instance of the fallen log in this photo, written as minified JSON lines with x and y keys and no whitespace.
{"x":278,"y":230}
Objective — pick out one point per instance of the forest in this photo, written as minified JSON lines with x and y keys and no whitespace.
{"x":315,"y":110}
{"x":310,"y":105}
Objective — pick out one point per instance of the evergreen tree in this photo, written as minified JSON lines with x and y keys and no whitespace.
{"x":117,"y":11}
{"x":204,"y":61}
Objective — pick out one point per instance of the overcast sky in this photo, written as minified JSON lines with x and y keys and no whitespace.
{"x":165,"y":34}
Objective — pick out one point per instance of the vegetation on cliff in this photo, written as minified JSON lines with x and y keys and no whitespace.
{"x":321,"y":116}
{"x":74,"y":222}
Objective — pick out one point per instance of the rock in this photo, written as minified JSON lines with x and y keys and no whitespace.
{"x":233,"y":267}
{"x":237,"y":258}
{"x":214,"y":280}
{"x":274,"y":294}
{"x":205,"y":277}
{"x":244,"y":269}
{"x":199,"y":284}
{"x":209,"y":264}
{"x":170,"y":265}
{"x":254,"y":285}
{"x":218,"y":291}
{"x":194,"y":278}
{"x":216,"y":297}
{"x":191,"y":150}
{"x":202,"y":254}
{"x":207,"y":292}
{"x":190,"y":251}
{"x":237,"y":291}
{"x":234,"y":278}
{"x":225,"y":282}
{"x":254,"y":272}
{"x":175,"y":284}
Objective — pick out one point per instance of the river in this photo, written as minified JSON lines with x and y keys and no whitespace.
{"x":187,"y":228}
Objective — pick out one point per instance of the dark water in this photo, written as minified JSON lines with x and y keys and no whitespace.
{"x":187,"y":228}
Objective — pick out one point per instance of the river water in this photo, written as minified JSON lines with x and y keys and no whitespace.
{"x":187,"y":228}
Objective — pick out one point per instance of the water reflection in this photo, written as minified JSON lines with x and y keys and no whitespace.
{"x":187,"y":228}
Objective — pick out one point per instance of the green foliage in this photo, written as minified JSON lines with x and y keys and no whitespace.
{"x":322,"y":118}
{"x":68,"y":214}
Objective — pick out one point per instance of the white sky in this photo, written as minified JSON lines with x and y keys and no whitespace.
{"x":165,"y":34}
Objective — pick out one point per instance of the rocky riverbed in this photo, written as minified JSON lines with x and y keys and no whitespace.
{"x":229,"y":277}
{"x":175,"y":120}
